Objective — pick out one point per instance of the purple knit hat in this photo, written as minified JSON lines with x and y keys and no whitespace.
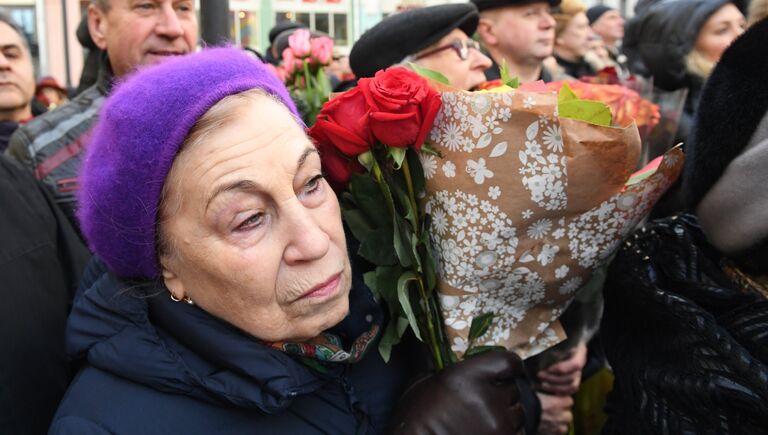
{"x":141,"y":127}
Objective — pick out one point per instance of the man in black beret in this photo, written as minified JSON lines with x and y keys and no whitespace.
{"x":273,"y":56}
{"x":519,"y":32}
{"x":436,"y":37}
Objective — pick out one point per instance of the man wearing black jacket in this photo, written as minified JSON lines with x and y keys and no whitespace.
{"x":41,"y":259}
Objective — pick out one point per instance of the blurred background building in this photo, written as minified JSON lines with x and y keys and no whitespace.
{"x":50,"y":24}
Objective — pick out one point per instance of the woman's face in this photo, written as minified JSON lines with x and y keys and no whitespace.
{"x":253,"y":231}
{"x":574,"y":40}
{"x":461,"y":73}
{"x":719,"y":31}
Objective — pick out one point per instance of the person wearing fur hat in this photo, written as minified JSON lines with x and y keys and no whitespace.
{"x":438,"y":38}
{"x":686,"y":306}
{"x":678,"y":42}
{"x":226,"y":300}
{"x":572,"y":38}
{"x":519,"y":33}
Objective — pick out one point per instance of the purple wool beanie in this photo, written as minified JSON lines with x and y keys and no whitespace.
{"x":140,"y":130}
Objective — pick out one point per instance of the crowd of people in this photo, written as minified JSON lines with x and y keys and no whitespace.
{"x":173,"y":261}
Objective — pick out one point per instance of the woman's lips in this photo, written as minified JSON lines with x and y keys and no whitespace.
{"x":324,"y":289}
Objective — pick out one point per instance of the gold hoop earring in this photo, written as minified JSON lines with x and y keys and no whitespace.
{"x":184,"y":299}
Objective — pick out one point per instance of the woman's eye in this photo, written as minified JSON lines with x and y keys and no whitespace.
{"x":252,"y":222}
{"x":313,"y":185}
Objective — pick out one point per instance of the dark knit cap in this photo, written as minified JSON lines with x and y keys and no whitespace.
{"x":595,"y":12}
{"x":484,"y":5}
{"x":407,"y":33}
{"x":281,"y":27}
{"x":140,"y":129}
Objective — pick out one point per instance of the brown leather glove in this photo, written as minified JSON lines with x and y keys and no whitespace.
{"x":477,"y":396}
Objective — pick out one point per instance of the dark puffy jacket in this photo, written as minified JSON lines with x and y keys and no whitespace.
{"x":52,"y":145}
{"x":687,"y":343}
{"x":159,"y":367}
{"x":41,"y":259}
{"x":657,"y":42}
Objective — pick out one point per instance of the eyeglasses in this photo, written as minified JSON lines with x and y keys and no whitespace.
{"x":461,"y":48}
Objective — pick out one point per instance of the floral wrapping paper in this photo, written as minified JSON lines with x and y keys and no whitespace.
{"x":525,"y":206}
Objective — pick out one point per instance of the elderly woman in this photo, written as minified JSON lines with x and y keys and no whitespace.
{"x":438,"y":38}
{"x":229,"y":303}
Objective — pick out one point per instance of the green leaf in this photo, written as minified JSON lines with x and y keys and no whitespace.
{"x":429,"y":74}
{"x":405,"y":301}
{"x":512,"y":82}
{"x":370,"y":279}
{"x":357,"y":223}
{"x":377,"y":247}
{"x":366,"y":159}
{"x":369,"y":198}
{"x":393,"y":333}
{"x":480,"y":325}
{"x":479,"y":350}
{"x":417,"y":172}
{"x":592,"y":112}
{"x":386,"y":284}
{"x":429,"y":149}
{"x":397,"y":155}
{"x":402,"y":241}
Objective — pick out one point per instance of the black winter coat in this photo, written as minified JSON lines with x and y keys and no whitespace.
{"x":41,"y":259}
{"x":688,"y":344}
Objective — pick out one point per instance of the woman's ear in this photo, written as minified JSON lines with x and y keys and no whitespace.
{"x":97,"y":26}
{"x":172,"y":281}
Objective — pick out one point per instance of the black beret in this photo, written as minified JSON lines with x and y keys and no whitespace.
{"x":281,"y":27}
{"x":407,"y":33}
{"x":484,"y":5}
{"x":595,"y":12}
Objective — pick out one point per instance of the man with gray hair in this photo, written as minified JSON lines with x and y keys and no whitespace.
{"x":131,"y":34}
{"x":17,"y":80}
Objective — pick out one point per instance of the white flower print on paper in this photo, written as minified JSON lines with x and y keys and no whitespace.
{"x":558,"y":233}
{"x":561,"y":272}
{"x":528,"y":102}
{"x":570,"y":286}
{"x":539,"y":229}
{"x":527,"y":214}
{"x":481,"y":257}
{"x":459,"y":345}
{"x":439,"y":221}
{"x":478,"y":171}
{"x":451,"y":136}
{"x":544,"y":171}
{"x":553,"y":139}
{"x":494,"y":192}
{"x":428,"y":164}
{"x":449,"y":169}
{"x":547,"y":254}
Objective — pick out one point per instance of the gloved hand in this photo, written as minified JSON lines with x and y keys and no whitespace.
{"x":477,"y":396}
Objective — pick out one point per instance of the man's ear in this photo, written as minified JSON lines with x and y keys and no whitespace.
{"x":485,"y":28}
{"x":97,"y":26}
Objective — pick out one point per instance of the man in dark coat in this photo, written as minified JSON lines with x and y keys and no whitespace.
{"x":521,"y":33}
{"x":41,"y":259}
{"x":52,"y":145}
{"x":18,"y":77}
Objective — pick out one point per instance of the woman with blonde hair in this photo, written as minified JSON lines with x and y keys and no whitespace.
{"x":679,"y":42}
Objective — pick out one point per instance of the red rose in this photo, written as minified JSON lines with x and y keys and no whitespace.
{"x":402,"y":106}
{"x":344,"y":122}
{"x":336,"y":166}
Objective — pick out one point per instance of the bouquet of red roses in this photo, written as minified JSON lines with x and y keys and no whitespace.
{"x":370,"y":139}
